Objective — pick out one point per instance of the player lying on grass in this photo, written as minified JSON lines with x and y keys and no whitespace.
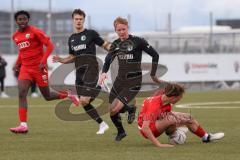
{"x":156,"y":117}
{"x":32,"y":66}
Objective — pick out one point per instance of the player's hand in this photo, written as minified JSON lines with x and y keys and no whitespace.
{"x":102,"y":77}
{"x":16,"y":69}
{"x":165,"y":145}
{"x":156,"y":79}
{"x":55,"y":59}
{"x":43,"y":67}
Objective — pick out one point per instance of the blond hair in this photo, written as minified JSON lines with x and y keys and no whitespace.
{"x":120,"y":20}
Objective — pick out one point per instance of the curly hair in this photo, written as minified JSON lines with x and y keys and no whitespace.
{"x":22,"y":12}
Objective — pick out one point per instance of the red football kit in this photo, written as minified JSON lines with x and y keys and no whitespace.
{"x":31,"y":44}
{"x":151,"y":110}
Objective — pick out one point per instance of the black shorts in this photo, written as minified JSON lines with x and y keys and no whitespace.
{"x":86,"y":82}
{"x":125,"y":89}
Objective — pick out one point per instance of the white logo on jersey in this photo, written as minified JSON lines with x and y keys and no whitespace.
{"x":27,"y":35}
{"x":125,"y":56}
{"x":79,"y":47}
{"x":83,"y":38}
{"x":129,"y":48}
{"x":23,"y":45}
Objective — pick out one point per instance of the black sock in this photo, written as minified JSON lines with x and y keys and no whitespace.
{"x":132,"y":109}
{"x":124,"y":109}
{"x":92,"y":112}
{"x":128,"y":108}
{"x":116,"y":119}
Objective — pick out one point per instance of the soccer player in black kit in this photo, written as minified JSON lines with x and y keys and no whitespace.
{"x":128,"y":49}
{"x":82,"y":51}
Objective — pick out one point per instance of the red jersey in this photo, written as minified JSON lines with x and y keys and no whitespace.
{"x":152,"y":108}
{"x":30,"y":43}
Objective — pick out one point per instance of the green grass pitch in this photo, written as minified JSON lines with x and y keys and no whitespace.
{"x":51,"y":138}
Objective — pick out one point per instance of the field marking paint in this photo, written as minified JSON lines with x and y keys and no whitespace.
{"x":35,"y":106}
{"x":186,"y":105}
{"x":210,"y":105}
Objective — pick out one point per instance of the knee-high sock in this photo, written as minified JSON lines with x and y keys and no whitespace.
{"x":200,"y":132}
{"x":92,"y":112}
{"x":22,"y":114}
{"x":116,"y":119}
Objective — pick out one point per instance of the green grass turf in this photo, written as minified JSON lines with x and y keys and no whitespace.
{"x":51,"y":138}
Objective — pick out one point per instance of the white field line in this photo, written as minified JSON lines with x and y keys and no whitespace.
{"x":227,"y":105}
{"x":34,"y":105}
{"x":187,"y":105}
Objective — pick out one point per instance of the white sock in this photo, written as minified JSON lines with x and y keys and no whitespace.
{"x":103,"y":123}
{"x":23,"y":124}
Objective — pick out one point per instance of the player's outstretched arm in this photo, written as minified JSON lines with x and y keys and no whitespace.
{"x":65,"y":60}
{"x":106,"y":45}
{"x":150,"y":136}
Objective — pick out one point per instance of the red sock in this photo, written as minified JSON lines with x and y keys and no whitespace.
{"x":62,"y":94}
{"x":22,"y":114}
{"x":200,"y":132}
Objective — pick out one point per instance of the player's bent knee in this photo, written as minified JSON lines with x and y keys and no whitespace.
{"x":114,"y":111}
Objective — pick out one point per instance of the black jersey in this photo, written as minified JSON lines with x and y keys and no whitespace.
{"x":84,"y":42}
{"x":83,"y":46}
{"x":129,"y":54}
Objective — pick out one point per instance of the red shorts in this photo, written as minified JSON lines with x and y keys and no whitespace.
{"x":153,"y":128}
{"x":34,"y":74}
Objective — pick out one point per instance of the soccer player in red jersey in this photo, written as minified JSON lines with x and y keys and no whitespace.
{"x":32,"y":65}
{"x":156,"y":116}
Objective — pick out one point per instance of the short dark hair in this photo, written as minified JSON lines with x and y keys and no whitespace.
{"x":22,"y":12}
{"x":79,"y":12}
